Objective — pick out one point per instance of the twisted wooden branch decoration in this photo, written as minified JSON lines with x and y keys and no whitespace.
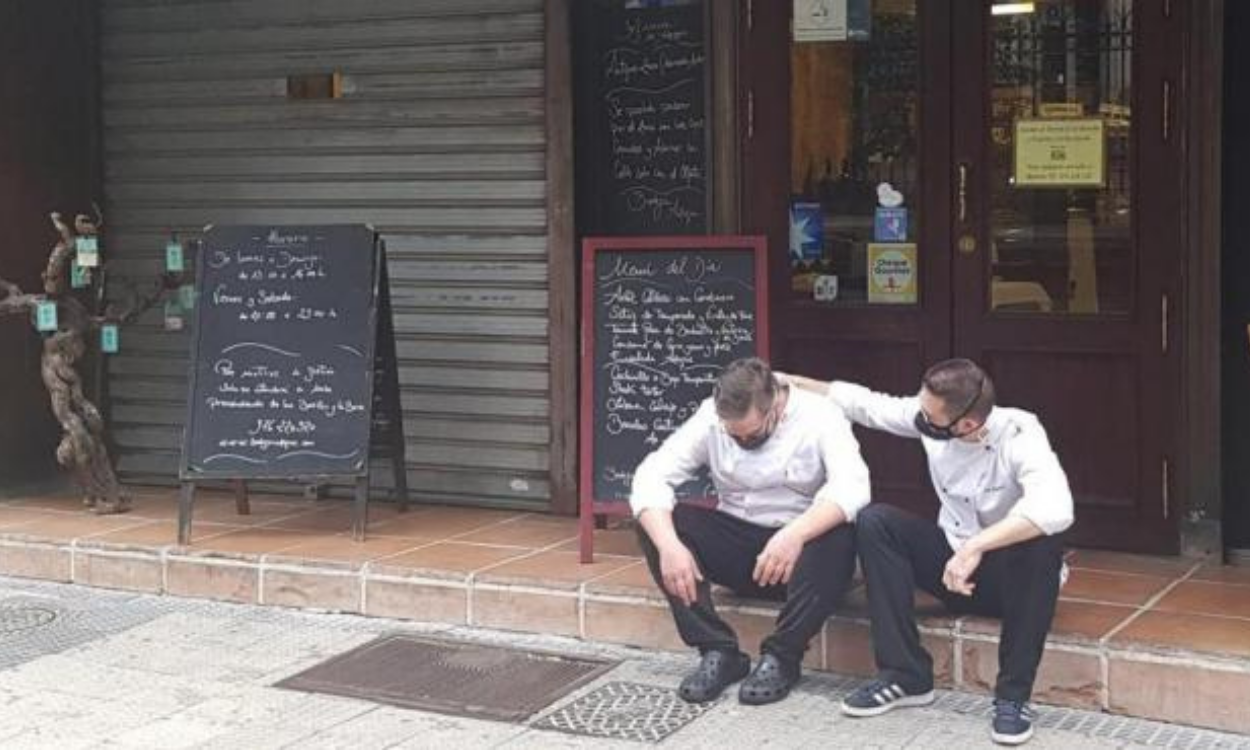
{"x":83,"y":448}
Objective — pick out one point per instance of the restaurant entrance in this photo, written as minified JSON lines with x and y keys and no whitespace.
{"x":988,"y":180}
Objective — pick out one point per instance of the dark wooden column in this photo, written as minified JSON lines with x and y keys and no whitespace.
{"x":48,"y":161}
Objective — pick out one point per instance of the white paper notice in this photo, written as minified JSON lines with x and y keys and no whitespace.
{"x":820,"y":21}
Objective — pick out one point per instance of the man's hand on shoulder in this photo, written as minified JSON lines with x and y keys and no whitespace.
{"x":819,"y":387}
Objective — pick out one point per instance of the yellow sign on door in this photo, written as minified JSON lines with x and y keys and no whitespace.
{"x":892,"y":273}
{"x":1060,"y":153}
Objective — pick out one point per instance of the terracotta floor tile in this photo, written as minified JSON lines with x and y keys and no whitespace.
{"x":332,"y":518}
{"x":527,"y":531}
{"x":1208,"y":598}
{"x":261,"y":512}
{"x":12,"y":519}
{"x":342,"y":548}
{"x":1119,"y":562}
{"x":75,"y":526}
{"x":437,"y":522}
{"x":1112,"y":588}
{"x":251,"y":540}
{"x":1223,"y":574}
{"x":163,"y":533}
{"x":69,"y":503}
{"x":631,"y":580}
{"x":1222,"y":635}
{"x":553,"y":568}
{"x":610,"y":542}
{"x":1088,"y":621}
{"x":159,"y":506}
{"x":451,"y":557}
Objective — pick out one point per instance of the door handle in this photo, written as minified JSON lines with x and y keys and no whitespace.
{"x":963,"y":192}
{"x":967,"y":242}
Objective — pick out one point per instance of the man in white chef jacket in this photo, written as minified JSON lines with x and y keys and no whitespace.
{"x":992,"y":552}
{"x":789,"y":480}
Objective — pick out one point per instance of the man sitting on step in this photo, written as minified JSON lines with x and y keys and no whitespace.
{"x":789,"y":480}
{"x":993,"y":551}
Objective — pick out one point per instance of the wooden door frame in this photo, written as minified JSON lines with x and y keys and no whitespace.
{"x":561,"y":260}
{"x":1199,"y":485}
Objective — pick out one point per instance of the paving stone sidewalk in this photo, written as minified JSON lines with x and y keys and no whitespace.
{"x":86,"y":668}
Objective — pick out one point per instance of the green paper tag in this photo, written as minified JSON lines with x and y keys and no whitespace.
{"x":79,"y":277}
{"x":186,"y":296}
{"x":173,"y":316}
{"x":45,"y":317}
{"x":109,"y":341}
{"x":173,"y":258}
{"x":88,"y":249}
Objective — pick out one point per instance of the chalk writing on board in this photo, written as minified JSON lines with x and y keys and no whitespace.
{"x":282,"y":330}
{"x":666,"y":323}
{"x":653,"y":70}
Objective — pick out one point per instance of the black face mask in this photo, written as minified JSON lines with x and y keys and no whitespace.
{"x":756,"y":441}
{"x":932,"y":431}
{"x":947,"y":432}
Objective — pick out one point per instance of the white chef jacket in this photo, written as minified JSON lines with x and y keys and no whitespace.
{"x":1011,"y":471}
{"x":812,"y":456}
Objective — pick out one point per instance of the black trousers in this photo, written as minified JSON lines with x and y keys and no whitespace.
{"x":1018,"y":584}
{"x":725,"y":549}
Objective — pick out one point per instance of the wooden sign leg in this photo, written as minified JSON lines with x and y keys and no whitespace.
{"x":241,"y":503}
{"x":391,"y":405}
{"x":401,"y":477}
{"x":586,"y":534}
{"x":360,"y":509}
{"x":186,"y":497}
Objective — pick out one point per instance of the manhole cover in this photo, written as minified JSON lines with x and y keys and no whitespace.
{"x":20,"y":618}
{"x":463,"y":679}
{"x":625,"y":711}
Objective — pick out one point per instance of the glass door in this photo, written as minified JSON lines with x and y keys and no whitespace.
{"x":1067,"y":234}
{"x":846,"y":151}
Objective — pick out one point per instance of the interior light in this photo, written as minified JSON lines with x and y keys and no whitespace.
{"x":1011,"y":9}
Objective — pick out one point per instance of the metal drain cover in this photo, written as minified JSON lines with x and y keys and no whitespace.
{"x":462,"y":679}
{"x":19,"y":618}
{"x":625,"y":711}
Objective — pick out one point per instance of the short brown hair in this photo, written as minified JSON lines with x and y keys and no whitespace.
{"x":962,"y":386}
{"x":744,"y":383}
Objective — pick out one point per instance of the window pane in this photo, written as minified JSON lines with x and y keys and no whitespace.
{"x":854,"y":112}
{"x":1060,"y":190}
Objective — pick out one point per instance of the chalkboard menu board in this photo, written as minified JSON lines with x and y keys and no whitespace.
{"x":647,"y":104}
{"x":661,"y":316}
{"x":282,"y":380}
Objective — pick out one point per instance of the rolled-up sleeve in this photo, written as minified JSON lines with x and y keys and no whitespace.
{"x":847,"y":483}
{"x":876,"y":410}
{"x":676,"y":461}
{"x":1047,"y":498}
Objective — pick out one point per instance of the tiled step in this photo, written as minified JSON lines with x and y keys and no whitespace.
{"x":1160,"y":638}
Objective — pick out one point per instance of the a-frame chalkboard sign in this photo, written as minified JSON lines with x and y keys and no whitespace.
{"x":293,"y":374}
{"x":661,"y":317}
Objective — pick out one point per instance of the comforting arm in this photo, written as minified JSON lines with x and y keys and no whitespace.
{"x":892,"y":414}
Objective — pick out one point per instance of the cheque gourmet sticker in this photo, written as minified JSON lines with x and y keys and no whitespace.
{"x":892,"y":273}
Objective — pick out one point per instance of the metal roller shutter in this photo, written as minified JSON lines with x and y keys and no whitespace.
{"x":437,"y":141}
